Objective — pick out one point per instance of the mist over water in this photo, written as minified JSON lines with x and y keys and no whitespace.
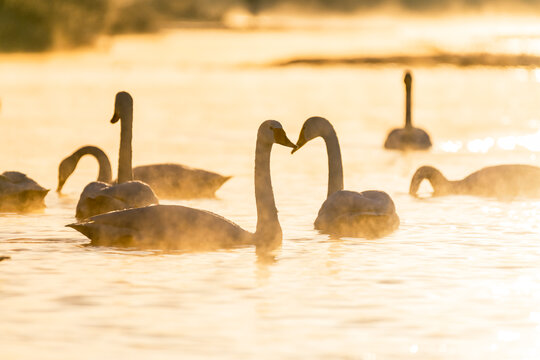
{"x":458,"y":280}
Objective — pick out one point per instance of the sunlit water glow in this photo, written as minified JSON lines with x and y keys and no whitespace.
{"x":460,"y":279}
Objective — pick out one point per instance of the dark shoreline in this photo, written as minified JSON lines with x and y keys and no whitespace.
{"x":454,"y":59}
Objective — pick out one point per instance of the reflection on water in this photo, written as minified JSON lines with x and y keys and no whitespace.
{"x":460,"y":279}
{"x":530,"y":142}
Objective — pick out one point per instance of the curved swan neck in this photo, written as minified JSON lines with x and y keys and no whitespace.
{"x":268,"y":227}
{"x":440,"y":184}
{"x":125,"y":172}
{"x":335,"y":166}
{"x":105,"y":170}
{"x":438,"y":181}
{"x":408,"y":121}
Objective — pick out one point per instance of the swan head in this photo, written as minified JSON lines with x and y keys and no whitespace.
{"x":439,"y":183}
{"x":407,"y":79}
{"x":123,"y":105}
{"x":271,"y":132}
{"x":313,"y":127}
{"x":65,"y":169}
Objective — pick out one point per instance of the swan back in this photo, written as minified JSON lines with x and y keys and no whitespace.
{"x":175,"y":181}
{"x":14,"y":181}
{"x":408,"y":139}
{"x":367,"y":214}
{"x":98,"y":197}
{"x":164,"y":227}
{"x":503,"y":181}
{"x":20,"y":193}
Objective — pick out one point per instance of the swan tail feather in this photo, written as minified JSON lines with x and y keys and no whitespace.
{"x":222,"y":180}
{"x":83,"y":228}
{"x":105,"y":235}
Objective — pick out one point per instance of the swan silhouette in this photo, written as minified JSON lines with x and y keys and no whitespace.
{"x":169,"y":181}
{"x":180,"y":227}
{"x":99,"y":197}
{"x":68,"y":165}
{"x":409,"y":137}
{"x":501,"y":181}
{"x":367,"y":214}
{"x":19,"y":193}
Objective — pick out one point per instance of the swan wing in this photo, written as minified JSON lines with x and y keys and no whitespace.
{"x":179,"y":181}
{"x":408,"y":139}
{"x":393,"y":140}
{"x":20,"y":193}
{"x":163,"y":227}
{"x":366,"y":214}
{"x":504,"y":181}
{"x":132,"y":193}
{"x":98,"y":197}
{"x":12,"y":181}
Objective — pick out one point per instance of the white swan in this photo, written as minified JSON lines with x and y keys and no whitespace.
{"x":409,"y":137}
{"x":169,"y":181}
{"x":99,"y":197}
{"x":19,"y":193}
{"x":180,"y":227}
{"x":501,"y":181}
{"x":347,"y":213}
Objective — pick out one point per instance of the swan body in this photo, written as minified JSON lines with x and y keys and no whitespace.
{"x":409,"y":137}
{"x":98,"y":197}
{"x":179,"y":181}
{"x":19,"y":193}
{"x":164,"y":227}
{"x":180,"y":227}
{"x":170,"y":181}
{"x":501,"y":181}
{"x":367,"y":214}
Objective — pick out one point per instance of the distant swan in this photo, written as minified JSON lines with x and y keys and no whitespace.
{"x":409,"y":137}
{"x":180,"y":227}
{"x":501,"y":181}
{"x":99,"y":197}
{"x":19,"y":193}
{"x":347,"y":213}
{"x":169,"y":181}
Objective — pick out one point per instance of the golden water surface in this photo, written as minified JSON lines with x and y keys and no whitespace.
{"x":460,"y":279}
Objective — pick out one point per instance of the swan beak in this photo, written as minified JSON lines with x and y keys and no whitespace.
{"x":301,"y":142}
{"x":281,"y":138}
{"x":115,"y":118}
